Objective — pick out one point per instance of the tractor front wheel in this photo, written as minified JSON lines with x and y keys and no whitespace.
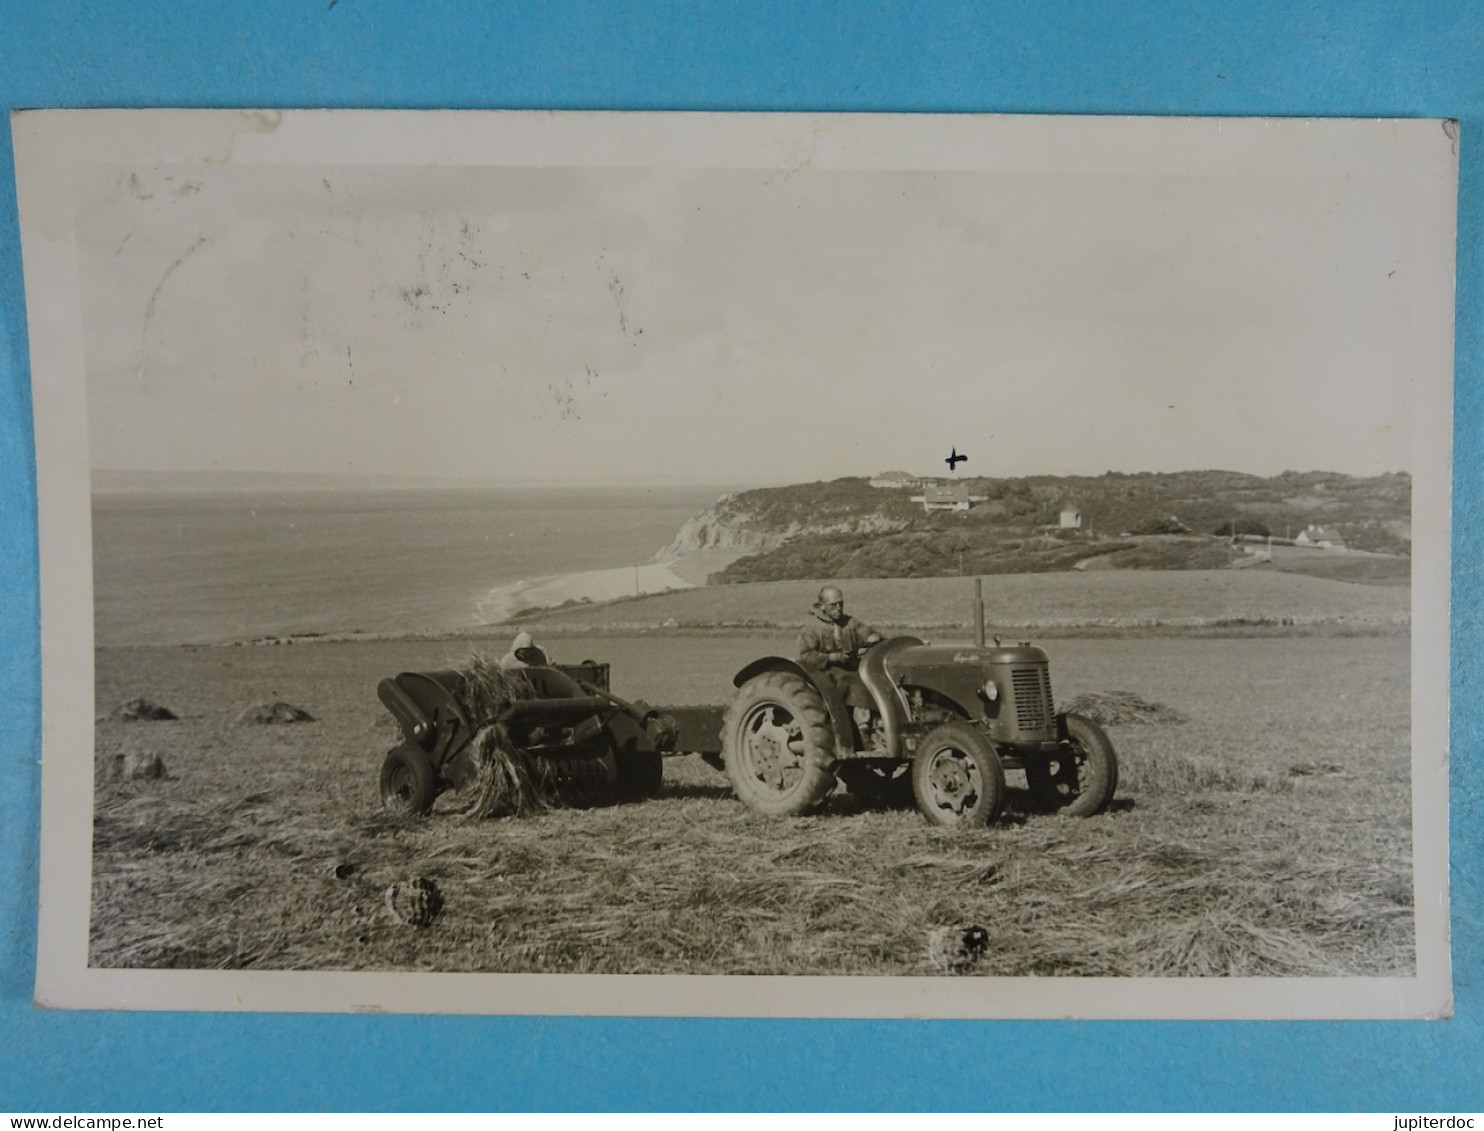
{"x":957,"y":778}
{"x":409,"y":785}
{"x":778,"y":745}
{"x":1079,"y":779}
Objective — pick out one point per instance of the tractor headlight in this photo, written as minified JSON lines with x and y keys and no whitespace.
{"x":990,"y":690}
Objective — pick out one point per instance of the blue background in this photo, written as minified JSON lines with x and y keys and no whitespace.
{"x":1326,"y":57}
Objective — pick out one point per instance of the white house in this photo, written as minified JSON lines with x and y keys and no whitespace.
{"x":948,"y":497}
{"x":1071,"y":518}
{"x":1321,"y":536}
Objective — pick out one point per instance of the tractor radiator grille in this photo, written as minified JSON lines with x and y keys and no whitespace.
{"x":1033,"y":707}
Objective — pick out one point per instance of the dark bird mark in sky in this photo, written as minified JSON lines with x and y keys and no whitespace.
{"x":954,"y":459}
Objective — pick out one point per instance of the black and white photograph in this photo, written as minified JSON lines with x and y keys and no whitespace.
{"x":784,"y":565}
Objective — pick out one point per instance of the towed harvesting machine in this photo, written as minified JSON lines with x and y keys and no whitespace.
{"x":585,"y":744}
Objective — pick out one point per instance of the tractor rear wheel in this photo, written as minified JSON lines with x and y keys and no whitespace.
{"x":957,"y":777}
{"x":409,"y":785}
{"x":778,"y":746}
{"x":1078,"y":780}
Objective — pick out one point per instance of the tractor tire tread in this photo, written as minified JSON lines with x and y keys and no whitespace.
{"x":800,"y":699}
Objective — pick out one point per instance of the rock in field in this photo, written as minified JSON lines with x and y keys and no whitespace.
{"x":139,"y":766}
{"x":136,"y":710}
{"x":273,"y":714}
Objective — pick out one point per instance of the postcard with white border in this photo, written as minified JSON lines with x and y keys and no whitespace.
{"x":741,"y":564}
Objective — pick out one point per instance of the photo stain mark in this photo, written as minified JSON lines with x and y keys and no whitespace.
{"x":265,"y":121}
{"x":308,"y":354}
{"x":616,"y":289}
{"x":565,"y":395}
{"x":566,"y":401}
{"x":154,"y":298}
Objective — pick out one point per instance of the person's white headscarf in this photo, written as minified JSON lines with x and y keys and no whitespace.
{"x":509,"y":659}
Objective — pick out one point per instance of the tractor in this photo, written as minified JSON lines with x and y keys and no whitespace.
{"x":947,"y":721}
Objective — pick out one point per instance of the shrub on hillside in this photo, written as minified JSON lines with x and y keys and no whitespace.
{"x":1161,"y":524}
{"x":1242,"y":526}
{"x":1375,"y":537}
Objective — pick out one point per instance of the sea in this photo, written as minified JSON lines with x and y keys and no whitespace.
{"x":177,"y":567}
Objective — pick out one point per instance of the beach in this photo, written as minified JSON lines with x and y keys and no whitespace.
{"x":688,"y":571}
{"x":507,"y":601}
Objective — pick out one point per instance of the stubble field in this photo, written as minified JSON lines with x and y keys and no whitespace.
{"x":1270,"y":834}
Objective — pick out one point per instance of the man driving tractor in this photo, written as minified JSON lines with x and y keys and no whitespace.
{"x":833,"y":642}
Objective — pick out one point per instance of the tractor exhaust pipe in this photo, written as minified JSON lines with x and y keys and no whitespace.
{"x":978,"y":613}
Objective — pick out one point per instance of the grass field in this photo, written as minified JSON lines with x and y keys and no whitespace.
{"x":1267,"y":835}
{"x":1116,"y":599}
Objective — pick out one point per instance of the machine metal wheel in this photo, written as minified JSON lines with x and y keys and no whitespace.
{"x":778,"y":745}
{"x":1080,"y":779}
{"x":957,"y":778}
{"x":409,"y":785}
{"x":877,"y":782}
{"x":640,"y":774}
{"x":579,"y":777}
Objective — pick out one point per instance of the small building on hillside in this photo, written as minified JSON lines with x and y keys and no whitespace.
{"x":1071,"y":517}
{"x":896,"y":479}
{"x":947,"y":497}
{"x":1326,"y":538}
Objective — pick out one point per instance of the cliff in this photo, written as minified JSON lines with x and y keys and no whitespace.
{"x":767,"y":518}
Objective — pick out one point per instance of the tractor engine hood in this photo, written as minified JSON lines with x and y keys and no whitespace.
{"x":912,"y":664}
{"x":959,"y":672}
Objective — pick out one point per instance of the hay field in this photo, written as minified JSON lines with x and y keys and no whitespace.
{"x":1267,"y":835}
{"x":1113,"y":599}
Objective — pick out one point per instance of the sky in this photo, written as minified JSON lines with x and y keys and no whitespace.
{"x":567,"y":324}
